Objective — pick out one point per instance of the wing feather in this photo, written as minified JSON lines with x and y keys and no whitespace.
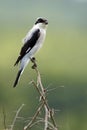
{"x":28,"y":45}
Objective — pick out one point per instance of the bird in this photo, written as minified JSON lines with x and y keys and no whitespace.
{"x":32,"y":42}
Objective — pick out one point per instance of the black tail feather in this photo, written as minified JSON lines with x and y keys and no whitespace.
{"x":17,"y":78}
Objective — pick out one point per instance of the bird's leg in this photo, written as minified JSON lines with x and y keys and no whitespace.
{"x":33,"y":60}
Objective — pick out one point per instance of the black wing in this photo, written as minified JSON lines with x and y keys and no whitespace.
{"x":28,"y":45}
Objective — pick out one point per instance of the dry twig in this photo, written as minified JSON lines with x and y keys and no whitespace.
{"x":48,"y":112}
{"x":16,"y":116}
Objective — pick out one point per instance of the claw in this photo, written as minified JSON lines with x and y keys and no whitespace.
{"x":34,"y":62}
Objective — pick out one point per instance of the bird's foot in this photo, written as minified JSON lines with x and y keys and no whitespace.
{"x":33,"y":60}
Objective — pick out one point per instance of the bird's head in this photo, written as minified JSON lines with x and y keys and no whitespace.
{"x":41,"y":22}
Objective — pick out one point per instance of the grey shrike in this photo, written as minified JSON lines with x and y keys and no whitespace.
{"x":32,"y":43}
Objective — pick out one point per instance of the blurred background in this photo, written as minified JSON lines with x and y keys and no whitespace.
{"x":62,"y":61}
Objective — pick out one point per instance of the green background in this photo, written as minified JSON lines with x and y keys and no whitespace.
{"x":62,"y":61}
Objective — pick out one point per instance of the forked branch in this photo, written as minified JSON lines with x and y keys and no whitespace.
{"x":48,"y":119}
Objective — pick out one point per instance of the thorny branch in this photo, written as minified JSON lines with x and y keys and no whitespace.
{"x":48,"y":112}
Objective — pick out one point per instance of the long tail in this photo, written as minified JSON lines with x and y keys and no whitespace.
{"x":23,"y":64}
{"x":18,"y":77}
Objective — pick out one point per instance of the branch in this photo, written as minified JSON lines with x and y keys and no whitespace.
{"x":16,"y":116}
{"x":48,"y":112}
{"x":33,"y":118}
